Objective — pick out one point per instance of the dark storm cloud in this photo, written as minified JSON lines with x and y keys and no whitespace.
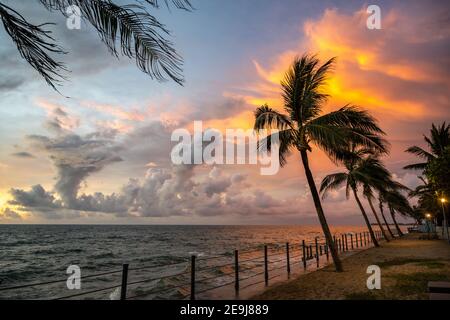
{"x":22,"y":154}
{"x":10,"y":84}
{"x":36,"y":198}
{"x":162,"y":193}
{"x":75,"y":158}
{"x":9,"y":214}
{"x":224,"y":108}
{"x":148,"y":143}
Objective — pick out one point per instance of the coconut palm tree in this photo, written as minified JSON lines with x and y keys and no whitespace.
{"x":379,"y":179}
{"x":302,"y":126}
{"x":391,"y":190}
{"x":369,"y":195}
{"x":129,"y":30}
{"x":381,"y":207}
{"x":397,"y":203}
{"x":437,"y":142}
{"x":362,"y":170}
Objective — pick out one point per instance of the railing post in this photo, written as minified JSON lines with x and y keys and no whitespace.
{"x":310,"y":251}
{"x":123,"y":288}
{"x":343,"y":243}
{"x":317,"y":252}
{"x":346,"y":242}
{"x":351,"y":240}
{"x":304,"y":254}
{"x":266,"y":266}
{"x":288,"y":263}
{"x":236,"y":271}
{"x":193,"y":277}
{"x":365,"y":241}
{"x":360,"y":240}
{"x":339,"y":244}
{"x":326,"y":251}
{"x":356,"y":239}
{"x":320,"y":249}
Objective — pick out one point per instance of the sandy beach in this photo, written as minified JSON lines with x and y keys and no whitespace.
{"x":407,"y":264}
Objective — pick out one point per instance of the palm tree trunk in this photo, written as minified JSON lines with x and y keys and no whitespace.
{"x":372,"y":235}
{"x":400,"y":233}
{"x":385,"y":221}
{"x":378,"y":219}
{"x":320,"y":213}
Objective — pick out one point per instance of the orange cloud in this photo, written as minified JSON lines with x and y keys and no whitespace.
{"x":373,"y":68}
{"x":392,"y":72}
{"x":57,"y":112}
{"x":133,"y":115}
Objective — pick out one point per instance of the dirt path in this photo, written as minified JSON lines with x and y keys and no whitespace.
{"x":407,"y":264}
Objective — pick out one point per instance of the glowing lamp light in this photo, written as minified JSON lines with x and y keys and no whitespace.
{"x":443,"y":200}
{"x":428,"y":216}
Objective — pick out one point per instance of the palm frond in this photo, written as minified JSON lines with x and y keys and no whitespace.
{"x":416,"y":166}
{"x":286,"y":139}
{"x":302,"y":85}
{"x":133,"y":32}
{"x":35,"y":45}
{"x":437,"y":142}
{"x":332,"y":182}
{"x":266,"y":118}
{"x":418,"y":151}
{"x":335,"y":131}
{"x":368,"y":191}
{"x":440,"y":138}
{"x":180,"y":4}
{"x":330,"y":139}
{"x":352,"y":117}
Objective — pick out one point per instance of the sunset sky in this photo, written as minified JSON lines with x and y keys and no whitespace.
{"x":99,"y":152}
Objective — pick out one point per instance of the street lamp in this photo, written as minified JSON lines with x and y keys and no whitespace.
{"x":445,"y":225}
{"x":428,"y":221}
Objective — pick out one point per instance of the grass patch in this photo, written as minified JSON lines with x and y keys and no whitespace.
{"x":401,"y":261}
{"x":416,"y":283}
{"x":431,"y":264}
{"x":361,"y":296}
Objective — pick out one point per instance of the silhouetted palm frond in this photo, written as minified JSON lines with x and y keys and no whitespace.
{"x":137,"y":33}
{"x":34,"y":43}
{"x":333,"y":182}
{"x":437,"y":142}
{"x":180,"y":4}
{"x":266,"y":117}
{"x":286,"y":140}
{"x":302,"y":85}
{"x":129,"y":30}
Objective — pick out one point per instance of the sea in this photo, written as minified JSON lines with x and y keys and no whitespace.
{"x":35,"y":254}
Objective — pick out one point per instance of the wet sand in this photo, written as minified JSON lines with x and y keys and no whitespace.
{"x":407,"y":264}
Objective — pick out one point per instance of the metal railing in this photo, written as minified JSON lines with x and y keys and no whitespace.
{"x":290,"y":256}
